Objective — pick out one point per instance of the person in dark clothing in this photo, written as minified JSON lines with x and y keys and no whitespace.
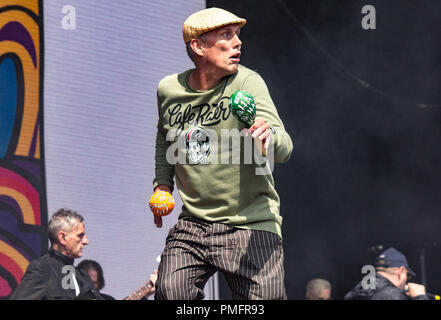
{"x":96,"y":274}
{"x":53,"y":276}
{"x":390,"y":281}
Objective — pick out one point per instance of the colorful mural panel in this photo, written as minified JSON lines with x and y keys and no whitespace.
{"x":23,"y":210}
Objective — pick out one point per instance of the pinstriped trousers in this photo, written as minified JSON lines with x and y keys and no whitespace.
{"x":251,"y":261}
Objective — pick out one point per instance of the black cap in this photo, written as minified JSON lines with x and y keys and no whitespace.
{"x":391,"y":258}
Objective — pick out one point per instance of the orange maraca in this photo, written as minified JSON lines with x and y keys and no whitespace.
{"x":161,"y":203}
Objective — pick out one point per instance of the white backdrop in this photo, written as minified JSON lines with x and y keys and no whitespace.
{"x":100,"y":116}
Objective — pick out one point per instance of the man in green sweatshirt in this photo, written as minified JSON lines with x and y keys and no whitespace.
{"x":230,"y":219}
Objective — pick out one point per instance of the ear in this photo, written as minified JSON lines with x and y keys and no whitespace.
{"x":402,"y":272}
{"x":196,"y":46}
{"x":61,"y":235}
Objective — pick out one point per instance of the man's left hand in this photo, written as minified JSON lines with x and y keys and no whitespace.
{"x":261,"y":130}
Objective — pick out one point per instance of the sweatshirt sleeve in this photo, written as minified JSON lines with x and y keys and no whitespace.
{"x":164,"y":172}
{"x":266,"y":109}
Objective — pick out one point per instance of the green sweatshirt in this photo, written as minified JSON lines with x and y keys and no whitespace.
{"x":218,"y":189}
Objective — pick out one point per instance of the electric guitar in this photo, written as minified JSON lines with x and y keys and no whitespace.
{"x":142,"y":292}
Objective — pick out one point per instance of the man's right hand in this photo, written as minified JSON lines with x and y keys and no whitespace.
{"x":158,"y":219}
{"x":415,"y":289}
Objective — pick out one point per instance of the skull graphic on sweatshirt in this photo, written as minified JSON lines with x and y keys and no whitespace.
{"x":198,"y":144}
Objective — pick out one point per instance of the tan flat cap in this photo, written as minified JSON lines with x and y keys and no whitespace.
{"x":206,"y":20}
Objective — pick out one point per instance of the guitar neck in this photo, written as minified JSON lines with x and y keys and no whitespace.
{"x":141,"y":292}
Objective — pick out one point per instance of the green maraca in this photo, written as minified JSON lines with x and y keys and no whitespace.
{"x":243,"y":107}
